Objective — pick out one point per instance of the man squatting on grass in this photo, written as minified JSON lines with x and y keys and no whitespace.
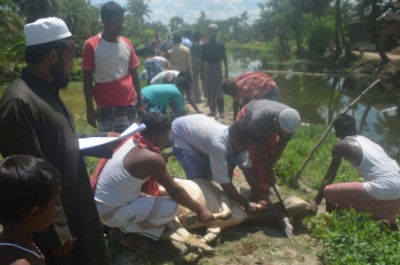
{"x":379,"y":194}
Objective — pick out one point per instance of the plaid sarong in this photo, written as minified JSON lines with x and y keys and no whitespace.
{"x":353,"y":195}
{"x":115,"y":119}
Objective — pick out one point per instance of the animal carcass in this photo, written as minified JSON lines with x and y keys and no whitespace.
{"x":229,"y":213}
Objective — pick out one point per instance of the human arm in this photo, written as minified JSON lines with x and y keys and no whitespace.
{"x":331,"y":173}
{"x":235,"y":108}
{"x":233,"y":193}
{"x":189,"y":97}
{"x":280,"y":147}
{"x":138,"y":89}
{"x":226,"y":75}
{"x":88,"y":92}
{"x":158,"y":171}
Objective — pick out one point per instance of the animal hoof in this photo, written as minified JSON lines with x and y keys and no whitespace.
{"x":287,"y":227}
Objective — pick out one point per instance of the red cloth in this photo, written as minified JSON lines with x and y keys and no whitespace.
{"x":269,"y":145}
{"x":251,"y":84}
{"x":150,"y":186}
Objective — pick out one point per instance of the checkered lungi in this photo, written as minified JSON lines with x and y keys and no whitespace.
{"x":353,"y":195}
{"x":115,"y":119}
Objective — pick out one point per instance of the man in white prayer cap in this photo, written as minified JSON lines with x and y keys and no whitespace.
{"x":272,"y":126}
{"x":34,"y":121}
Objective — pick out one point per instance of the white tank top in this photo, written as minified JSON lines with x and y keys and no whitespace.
{"x":381,"y":172}
{"x":115,"y":186}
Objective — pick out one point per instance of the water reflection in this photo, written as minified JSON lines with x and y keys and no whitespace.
{"x":320,"y":97}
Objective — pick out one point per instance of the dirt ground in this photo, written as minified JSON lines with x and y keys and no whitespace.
{"x":261,"y":244}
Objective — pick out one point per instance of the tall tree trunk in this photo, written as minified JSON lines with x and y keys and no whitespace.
{"x":375,"y":33}
{"x":338,"y":23}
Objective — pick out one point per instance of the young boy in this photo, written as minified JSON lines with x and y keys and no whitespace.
{"x":29,"y":192}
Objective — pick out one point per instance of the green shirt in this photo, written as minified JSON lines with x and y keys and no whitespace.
{"x":163,"y":95}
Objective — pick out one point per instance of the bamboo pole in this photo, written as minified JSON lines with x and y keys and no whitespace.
{"x":327,"y":130}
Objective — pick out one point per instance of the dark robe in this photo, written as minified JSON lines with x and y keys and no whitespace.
{"x":35,"y":121}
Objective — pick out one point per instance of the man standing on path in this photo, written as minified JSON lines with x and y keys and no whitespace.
{"x":180,"y":56}
{"x":109,"y":60}
{"x":212,"y":54}
{"x":195,"y":52}
{"x":34,"y":121}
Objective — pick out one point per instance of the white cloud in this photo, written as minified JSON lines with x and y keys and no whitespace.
{"x":189,"y":10}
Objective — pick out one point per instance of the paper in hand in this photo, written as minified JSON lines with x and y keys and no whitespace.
{"x":90,"y":142}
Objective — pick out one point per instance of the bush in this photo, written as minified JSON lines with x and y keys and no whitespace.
{"x":348,"y":237}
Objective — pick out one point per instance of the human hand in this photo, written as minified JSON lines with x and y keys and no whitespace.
{"x":313,"y":207}
{"x":91,"y":117}
{"x":64,"y":249}
{"x":252,"y":208}
{"x":262,"y":204}
{"x":271,"y":179}
{"x":112,"y":145}
{"x":205,"y":216}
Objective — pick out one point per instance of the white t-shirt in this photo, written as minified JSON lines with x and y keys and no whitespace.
{"x":209,"y":137}
{"x":381,"y":172}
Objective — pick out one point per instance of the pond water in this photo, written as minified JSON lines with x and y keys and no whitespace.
{"x":319,"y":97}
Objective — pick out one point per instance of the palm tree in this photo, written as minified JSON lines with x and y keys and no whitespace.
{"x":139,"y":9}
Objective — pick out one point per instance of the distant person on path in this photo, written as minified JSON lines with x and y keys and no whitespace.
{"x":272,"y":126}
{"x":154,"y":65}
{"x":29,"y":193}
{"x":109,"y":64}
{"x":180,"y":55}
{"x":195,"y":52}
{"x":248,"y":86}
{"x":213,"y":53}
{"x":165,"y":77}
{"x":158,"y":97}
{"x":172,"y":77}
{"x":379,"y":194}
{"x":35,"y":121}
{"x":118,"y":194}
{"x":211,"y":150}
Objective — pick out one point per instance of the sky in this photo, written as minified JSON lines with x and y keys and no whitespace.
{"x":189,"y":10}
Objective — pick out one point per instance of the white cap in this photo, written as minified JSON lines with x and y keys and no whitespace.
{"x":289,"y":120}
{"x":213,"y":26}
{"x":45,"y":30}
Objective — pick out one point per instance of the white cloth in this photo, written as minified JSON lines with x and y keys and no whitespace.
{"x":204,"y":134}
{"x":159,"y":78}
{"x":121,"y":203}
{"x":381,"y":172}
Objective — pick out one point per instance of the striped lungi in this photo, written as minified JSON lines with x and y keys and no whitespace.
{"x":115,"y":119}
{"x":353,"y":195}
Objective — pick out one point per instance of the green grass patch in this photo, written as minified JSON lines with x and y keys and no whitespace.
{"x":348,"y":237}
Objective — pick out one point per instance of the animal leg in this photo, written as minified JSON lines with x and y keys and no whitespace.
{"x":226,"y":208}
{"x":211,"y":235}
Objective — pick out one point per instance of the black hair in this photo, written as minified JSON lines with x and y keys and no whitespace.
{"x":156,"y":122}
{"x":186,"y":74}
{"x":196,"y":36}
{"x":229,"y":87}
{"x":25,"y":182}
{"x":345,"y":125}
{"x":177,"y":38}
{"x":182,"y":82}
{"x":241,"y":131}
{"x":110,"y":9}
{"x":34,"y":53}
